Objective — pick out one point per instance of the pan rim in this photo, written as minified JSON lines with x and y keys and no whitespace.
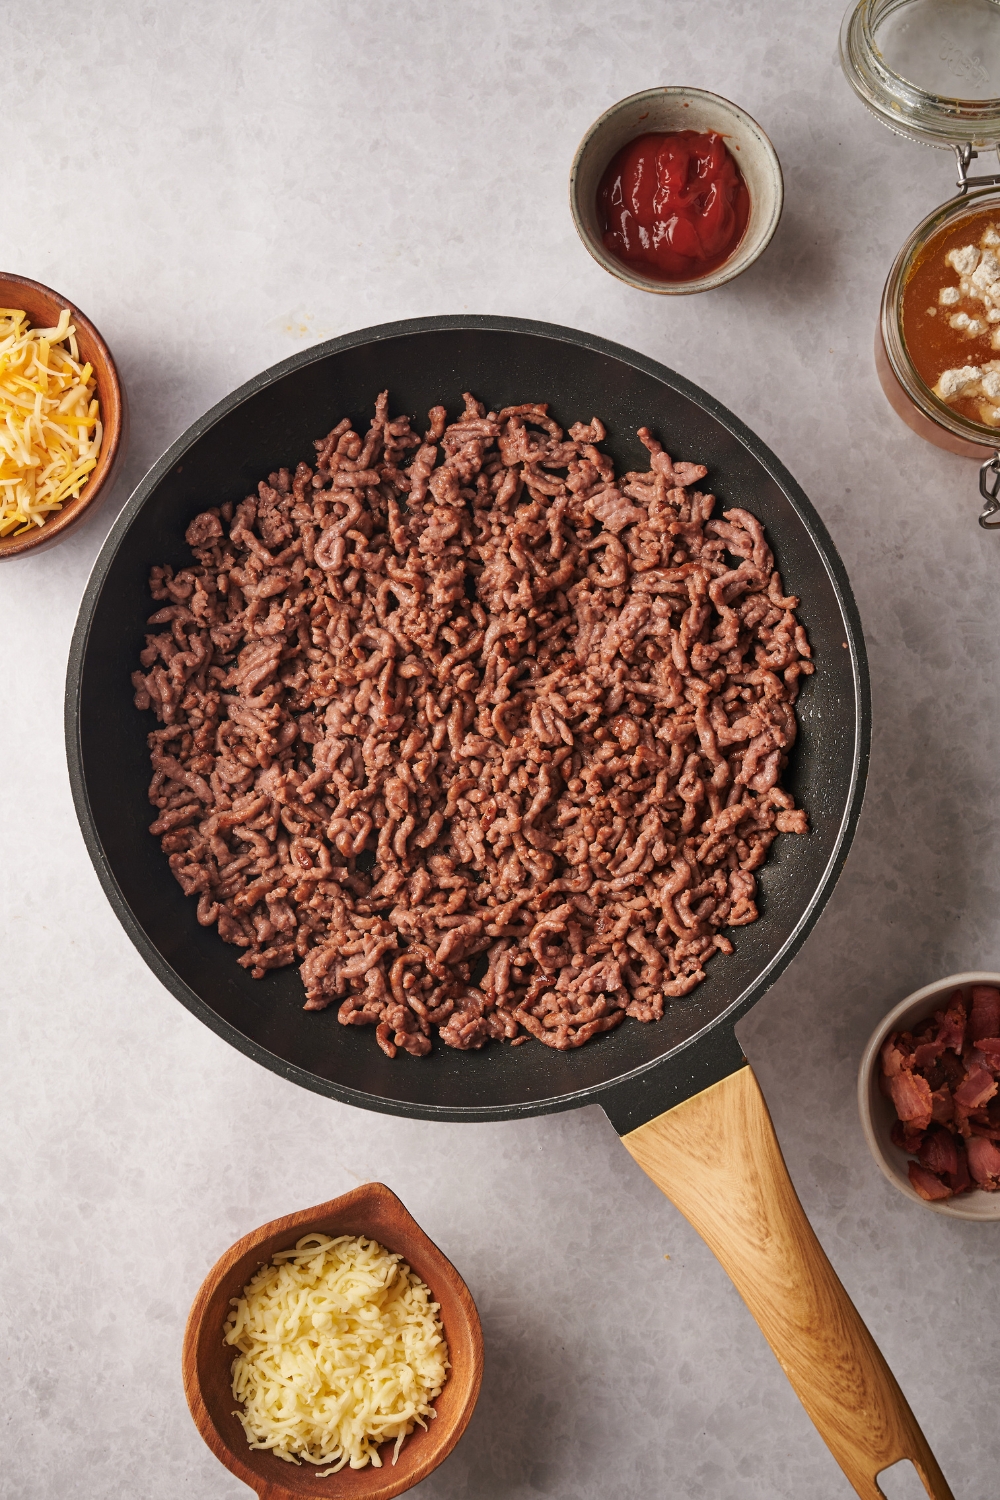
{"x":820,"y":538}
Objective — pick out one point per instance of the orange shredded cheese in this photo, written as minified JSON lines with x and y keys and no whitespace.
{"x":50,"y":420}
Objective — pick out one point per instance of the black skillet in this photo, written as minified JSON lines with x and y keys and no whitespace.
{"x":679,"y":1091}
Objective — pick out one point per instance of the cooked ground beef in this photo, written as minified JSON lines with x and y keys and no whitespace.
{"x":487,"y":737}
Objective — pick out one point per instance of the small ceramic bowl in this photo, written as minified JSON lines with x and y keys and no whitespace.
{"x":878,"y":1115}
{"x":373,"y":1211}
{"x":43,"y":307}
{"x":669,"y":109}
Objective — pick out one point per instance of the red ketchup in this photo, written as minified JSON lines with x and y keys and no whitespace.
{"x":673,"y":206}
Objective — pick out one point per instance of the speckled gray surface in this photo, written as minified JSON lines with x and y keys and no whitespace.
{"x":234,"y":181}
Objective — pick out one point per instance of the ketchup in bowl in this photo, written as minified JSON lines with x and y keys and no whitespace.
{"x":673,"y":206}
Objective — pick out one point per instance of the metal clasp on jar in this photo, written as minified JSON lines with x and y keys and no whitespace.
{"x":965,"y":156}
{"x":989,"y":488}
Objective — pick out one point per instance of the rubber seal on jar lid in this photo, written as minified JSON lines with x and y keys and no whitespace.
{"x":928,"y":69}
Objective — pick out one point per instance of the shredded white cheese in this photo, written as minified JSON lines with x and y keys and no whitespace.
{"x":340,"y":1348}
{"x":50,"y":424}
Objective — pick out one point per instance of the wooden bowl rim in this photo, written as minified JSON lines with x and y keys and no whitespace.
{"x":115,"y":429}
{"x":386,"y":1481}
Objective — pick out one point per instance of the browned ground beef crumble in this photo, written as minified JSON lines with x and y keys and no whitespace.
{"x":473,"y":704}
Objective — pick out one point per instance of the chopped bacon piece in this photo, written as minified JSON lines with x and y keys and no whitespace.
{"x":951,"y":1023}
{"x":960,"y":1181}
{"x":894,"y":1060}
{"x":939,"y":1154}
{"x":988,"y":1053}
{"x":927,"y":1053}
{"x":984,"y":1163}
{"x":977,"y":1088}
{"x":906,"y":1140}
{"x":911,"y":1094}
{"x":942,"y":1105}
{"x":951,"y":1067}
{"x":985,"y":1017}
{"x":929,"y":1187}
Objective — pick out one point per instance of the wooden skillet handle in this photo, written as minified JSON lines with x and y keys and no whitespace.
{"x":717,"y":1158}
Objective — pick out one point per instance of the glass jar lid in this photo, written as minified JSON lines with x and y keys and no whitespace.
{"x":929,"y":69}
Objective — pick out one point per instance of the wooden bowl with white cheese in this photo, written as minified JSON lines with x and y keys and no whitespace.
{"x":28,"y":453}
{"x":375,"y":1213}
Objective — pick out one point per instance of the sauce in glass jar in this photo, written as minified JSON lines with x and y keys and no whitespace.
{"x":951,"y":316}
{"x":673,"y":205}
{"x":928,"y":70}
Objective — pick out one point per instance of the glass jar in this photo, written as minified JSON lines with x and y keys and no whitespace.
{"x":930,"y":71}
{"x":907,"y":393}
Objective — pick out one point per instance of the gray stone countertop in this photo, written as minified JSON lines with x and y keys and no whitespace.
{"x":218,"y":186}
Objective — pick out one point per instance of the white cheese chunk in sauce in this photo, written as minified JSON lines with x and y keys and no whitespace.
{"x":964,"y":260}
{"x":987,"y":271}
{"x":961,"y":382}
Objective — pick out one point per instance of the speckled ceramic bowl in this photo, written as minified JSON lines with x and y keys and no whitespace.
{"x":678,"y":109}
{"x":878,"y":1115}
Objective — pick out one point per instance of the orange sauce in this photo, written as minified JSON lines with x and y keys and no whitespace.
{"x":934,"y":343}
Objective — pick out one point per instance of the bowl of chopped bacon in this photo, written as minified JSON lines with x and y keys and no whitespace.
{"x":929,"y":1096}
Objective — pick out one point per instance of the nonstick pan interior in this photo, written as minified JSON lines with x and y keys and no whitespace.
{"x":272,"y":421}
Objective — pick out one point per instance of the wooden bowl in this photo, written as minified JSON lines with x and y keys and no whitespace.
{"x":373,"y":1211}
{"x":878,"y":1115}
{"x":43,"y":307}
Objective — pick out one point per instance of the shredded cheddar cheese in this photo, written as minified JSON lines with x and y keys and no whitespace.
{"x":341,"y":1349}
{"x":50,"y":422}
